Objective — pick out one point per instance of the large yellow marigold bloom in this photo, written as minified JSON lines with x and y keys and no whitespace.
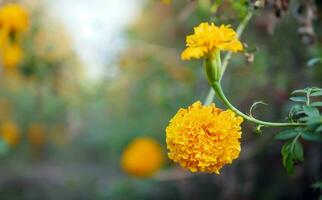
{"x":208,"y":38}
{"x":12,"y":56}
{"x":10,"y":133}
{"x":14,"y":18}
{"x":204,"y":138}
{"x":143,"y":157}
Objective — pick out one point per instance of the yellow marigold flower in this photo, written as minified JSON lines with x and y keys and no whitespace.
{"x":208,"y":38}
{"x":11,"y":56}
{"x":36,"y":134}
{"x":14,"y":18}
{"x":204,"y":138}
{"x":10,"y":133}
{"x":143,"y":157}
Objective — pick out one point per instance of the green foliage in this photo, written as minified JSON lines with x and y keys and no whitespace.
{"x":312,"y":62}
{"x":306,"y":112}
{"x":241,"y":7}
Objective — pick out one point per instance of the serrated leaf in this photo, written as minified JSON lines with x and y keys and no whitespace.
{"x":285,"y":135}
{"x":298,"y":99}
{"x":298,"y":151}
{"x":315,"y":94}
{"x":316,"y":104}
{"x":311,"y":111}
{"x":311,"y":136}
{"x":303,"y":91}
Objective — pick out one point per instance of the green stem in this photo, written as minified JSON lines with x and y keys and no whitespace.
{"x":217,"y":87}
{"x":240,"y":29}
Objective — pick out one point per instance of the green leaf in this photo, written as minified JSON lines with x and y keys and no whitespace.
{"x":285,"y":135}
{"x":289,"y":164}
{"x":314,"y":61}
{"x":303,"y":91}
{"x":319,"y":129}
{"x":304,"y":119}
{"x":317,"y":185}
{"x":311,"y":111}
{"x":316,"y":104}
{"x":286,"y":148}
{"x":311,"y":136}
{"x":315,"y":94}
{"x":298,"y":151}
{"x":298,"y":99}
{"x":315,"y":89}
{"x":312,"y":121}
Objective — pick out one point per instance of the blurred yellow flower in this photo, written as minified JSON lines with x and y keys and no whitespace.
{"x":14,"y":18}
{"x":166,"y":1}
{"x":10,"y":133}
{"x":208,"y":38}
{"x":143,"y":157}
{"x":11,"y":56}
{"x":204,"y":138}
{"x":36,"y":134}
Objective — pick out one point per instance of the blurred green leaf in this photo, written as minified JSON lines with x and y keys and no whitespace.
{"x":285,"y":135}
{"x":312,"y":121}
{"x":298,"y":151}
{"x":317,"y":185}
{"x":298,"y":99}
{"x":299,"y":91}
{"x":315,"y":94}
{"x":311,"y":136}
{"x":287,"y":157}
{"x":289,"y":164}
{"x":319,"y":129}
{"x":311,"y":111}
{"x":316,"y":104}
{"x":314,"y":61}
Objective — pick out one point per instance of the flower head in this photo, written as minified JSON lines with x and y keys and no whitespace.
{"x":142,"y":157}
{"x":10,"y":133}
{"x":204,"y":138}
{"x":14,"y":18}
{"x":208,"y":38}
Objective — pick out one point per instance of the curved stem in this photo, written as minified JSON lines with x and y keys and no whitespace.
{"x":217,"y":87}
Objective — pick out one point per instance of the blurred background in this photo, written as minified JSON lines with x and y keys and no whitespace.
{"x":87,"y":85}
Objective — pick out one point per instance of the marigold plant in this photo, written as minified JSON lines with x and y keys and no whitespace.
{"x":204,"y":138}
{"x":142,"y":157}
